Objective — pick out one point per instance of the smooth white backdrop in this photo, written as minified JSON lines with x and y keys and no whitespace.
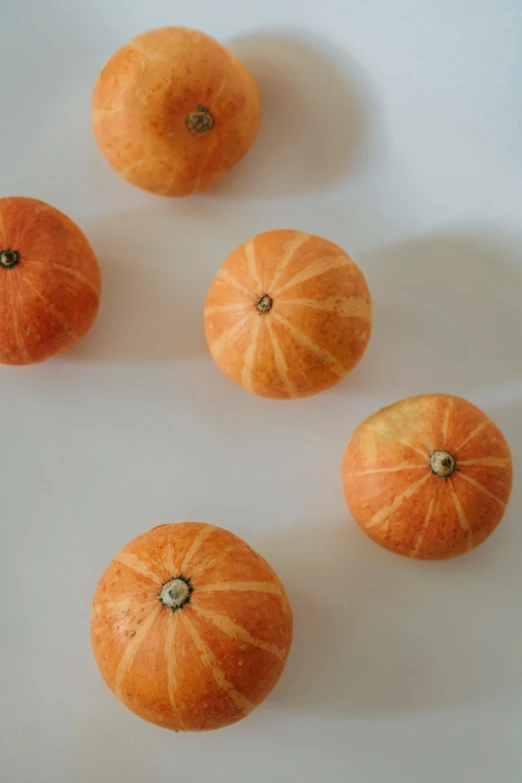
{"x":394,"y":129}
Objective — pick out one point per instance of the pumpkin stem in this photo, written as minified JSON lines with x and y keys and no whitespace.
{"x":442,"y":463}
{"x":9,"y":258}
{"x":200,"y":121}
{"x":264,"y":303}
{"x":175,"y":593}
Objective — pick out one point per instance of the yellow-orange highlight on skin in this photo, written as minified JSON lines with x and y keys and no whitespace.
{"x":190,"y":627}
{"x":49,"y":281}
{"x":288,"y":315}
{"x":173,"y":111}
{"x":428,"y":477}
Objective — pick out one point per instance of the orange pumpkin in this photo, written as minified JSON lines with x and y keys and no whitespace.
{"x":173,"y":111}
{"x":49,"y":281}
{"x":428,"y":477}
{"x":287,"y":315}
{"x":190,"y":627}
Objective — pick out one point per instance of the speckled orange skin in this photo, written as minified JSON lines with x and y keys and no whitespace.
{"x":208,"y":663}
{"x":145,"y":93}
{"x":398,"y":500}
{"x":316,"y":329}
{"x":49,"y":299}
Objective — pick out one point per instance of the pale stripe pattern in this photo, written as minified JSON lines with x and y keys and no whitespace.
{"x":280,"y":363}
{"x":20,"y":341}
{"x":414,"y":448}
{"x":132,"y":648}
{"x":77,"y":275}
{"x":227,"y":278}
{"x":352,"y":307}
{"x":170,"y":659}
{"x":478,"y":429}
{"x":445,"y":426}
{"x":384,"y":514}
{"x":251,"y":261}
{"x":210,"y":660}
{"x":248,"y":366}
{"x":287,"y":257}
{"x":395,"y":469}
{"x":50,"y":308}
{"x":315,"y":269}
{"x":132,"y":561}
{"x":229,"y":334}
{"x":490,"y":462}
{"x":483,"y":489}
{"x":255,"y":587}
{"x":230,"y":628}
{"x":198,"y":540}
{"x":463,"y":520}
{"x":422,"y":534}
{"x":322,"y":353}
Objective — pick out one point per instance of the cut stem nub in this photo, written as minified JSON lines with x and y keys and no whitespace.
{"x":442,"y":463}
{"x":264,"y":303}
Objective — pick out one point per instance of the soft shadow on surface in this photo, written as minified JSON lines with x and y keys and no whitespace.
{"x":376,"y":633}
{"x":156,"y":268}
{"x":317,"y":117}
{"x":447,"y":315}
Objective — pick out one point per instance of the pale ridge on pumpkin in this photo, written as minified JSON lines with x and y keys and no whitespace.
{"x":478,"y":429}
{"x":225,"y":308}
{"x":125,"y":558}
{"x":78,"y":275}
{"x":197,"y":572}
{"x":414,"y":448}
{"x":50,"y":308}
{"x":319,"y":267}
{"x":132,"y":648}
{"x":106,"y":607}
{"x":445,"y":426}
{"x":394,"y":469}
{"x":492,"y":462}
{"x":384,"y":514}
{"x":280,"y":363}
{"x":463,"y":520}
{"x":322,"y":353}
{"x":228,"y":626}
{"x":172,"y":566}
{"x":221,"y":342}
{"x":257,"y":587}
{"x":20,"y":342}
{"x":251,"y":261}
{"x":291,"y":248}
{"x":197,"y":541}
{"x":422,"y":534}
{"x":226,"y":277}
{"x":246,"y":374}
{"x":478,"y":485}
{"x":210,"y":660}
{"x":354,"y":307}
{"x":170,"y":657}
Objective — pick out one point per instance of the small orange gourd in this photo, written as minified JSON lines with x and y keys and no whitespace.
{"x":428,"y":477}
{"x":190,"y":627}
{"x":173,"y":111}
{"x":287,"y":315}
{"x":49,"y":281}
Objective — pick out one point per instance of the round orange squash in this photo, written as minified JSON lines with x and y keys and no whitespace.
{"x":287,"y":315}
{"x":49,"y":281}
{"x":428,"y":477}
{"x":190,"y":627}
{"x":173,"y":111}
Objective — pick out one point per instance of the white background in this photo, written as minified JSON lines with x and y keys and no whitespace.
{"x":392,"y":127}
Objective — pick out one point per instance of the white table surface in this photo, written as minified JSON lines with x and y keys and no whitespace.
{"x":394,"y":129}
